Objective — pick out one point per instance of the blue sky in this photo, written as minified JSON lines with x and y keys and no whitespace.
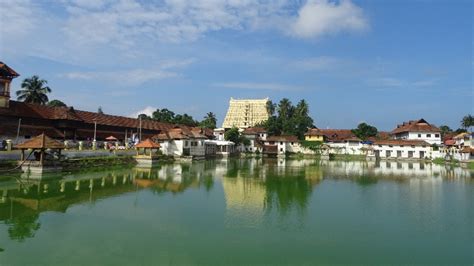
{"x":382,"y":62}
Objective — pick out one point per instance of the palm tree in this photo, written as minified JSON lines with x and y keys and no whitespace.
{"x":467,"y":121}
{"x":34,"y":91}
{"x":285,"y":108}
{"x":210,"y":121}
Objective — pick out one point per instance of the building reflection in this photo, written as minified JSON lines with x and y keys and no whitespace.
{"x":255,"y":191}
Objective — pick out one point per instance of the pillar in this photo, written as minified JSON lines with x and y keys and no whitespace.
{"x":9,"y":145}
{"x":94,"y":145}
{"x":81,"y":145}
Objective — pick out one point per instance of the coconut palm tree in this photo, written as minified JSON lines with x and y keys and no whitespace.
{"x":34,"y":91}
{"x":467,"y":121}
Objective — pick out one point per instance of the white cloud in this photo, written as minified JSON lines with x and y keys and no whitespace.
{"x":321,"y":17}
{"x":123,"y":24}
{"x":147,"y":110}
{"x":133,"y":77}
{"x":258,"y":86}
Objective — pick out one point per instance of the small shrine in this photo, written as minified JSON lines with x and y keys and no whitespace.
{"x":147,"y":153}
{"x":44,"y":155}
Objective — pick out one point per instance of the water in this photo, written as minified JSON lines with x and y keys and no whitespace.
{"x":273,"y":212}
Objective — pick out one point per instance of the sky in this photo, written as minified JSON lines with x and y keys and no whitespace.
{"x":380,"y":62}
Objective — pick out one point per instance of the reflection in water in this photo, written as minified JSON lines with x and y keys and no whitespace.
{"x":255,"y":191}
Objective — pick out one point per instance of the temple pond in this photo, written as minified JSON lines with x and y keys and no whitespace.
{"x":245,"y":211}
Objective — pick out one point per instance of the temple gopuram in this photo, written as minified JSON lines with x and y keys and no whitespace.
{"x":244,"y":113}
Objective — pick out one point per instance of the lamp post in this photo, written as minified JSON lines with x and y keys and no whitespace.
{"x":94,"y":142}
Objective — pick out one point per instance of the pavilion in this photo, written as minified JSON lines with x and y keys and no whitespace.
{"x":43,"y":148}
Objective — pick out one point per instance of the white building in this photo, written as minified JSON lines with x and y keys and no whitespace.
{"x":400,"y":149}
{"x":280,"y":145}
{"x":182,"y":142}
{"x":418,"y":130}
{"x":223,"y":148}
{"x":256,"y":136}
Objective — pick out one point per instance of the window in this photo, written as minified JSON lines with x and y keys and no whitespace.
{"x":391,"y":146}
{"x":281,"y":149}
{"x":401,"y":146}
{"x":419,"y":135}
{"x":292,"y":143}
{"x":399,"y":154}
{"x":281,"y":143}
{"x":436,"y":135}
{"x":186,"y":143}
{"x":428,"y":135}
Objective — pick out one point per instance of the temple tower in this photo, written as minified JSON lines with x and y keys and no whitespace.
{"x":6,"y":76}
{"x":244,"y":113}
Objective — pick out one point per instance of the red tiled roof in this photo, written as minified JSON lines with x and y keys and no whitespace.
{"x":182,"y":132}
{"x":314,"y":132}
{"x":20,"y":109}
{"x":148,"y":143}
{"x":288,"y":138}
{"x":41,"y":142}
{"x":7,"y":72}
{"x":402,"y":142}
{"x":450,"y":142}
{"x":31,"y":130}
{"x":337,"y":135}
{"x":254,"y":130}
{"x":415,"y":126}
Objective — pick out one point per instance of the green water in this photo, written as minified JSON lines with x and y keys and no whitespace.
{"x":242,"y":212}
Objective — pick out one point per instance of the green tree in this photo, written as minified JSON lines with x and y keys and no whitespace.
{"x":467,"y":122}
{"x":233,"y":135}
{"x":56,"y":103}
{"x":99,"y":110}
{"x":144,"y":117}
{"x":163,"y":115}
{"x":364,"y":131}
{"x":185,"y":119}
{"x":209,"y":121}
{"x":445,"y":130}
{"x":34,"y":90}
{"x":271,"y":107}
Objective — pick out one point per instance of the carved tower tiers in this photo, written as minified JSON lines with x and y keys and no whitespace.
{"x":6,"y":76}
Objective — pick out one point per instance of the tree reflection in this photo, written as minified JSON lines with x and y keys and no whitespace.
{"x":23,"y":227}
{"x":287,"y":191}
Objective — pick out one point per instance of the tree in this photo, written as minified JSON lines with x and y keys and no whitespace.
{"x":185,"y":119}
{"x":289,"y":120}
{"x":34,"y":90}
{"x":445,"y":130}
{"x":364,"y":131}
{"x":99,"y":110}
{"x":233,"y":135}
{"x":209,"y":121}
{"x":56,"y":103}
{"x":144,"y":117}
{"x":163,"y":115}
{"x":467,"y":122}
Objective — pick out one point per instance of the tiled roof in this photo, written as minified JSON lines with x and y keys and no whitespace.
{"x":7,"y":72}
{"x":337,"y":135}
{"x":415,"y":126}
{"x":450,"y":142}
{"x":314,"y":132}
{"x":20,"y":109}
{"x":181,"y":132}
{"x":148,"y":143}
{"x":399,"y":142}
{"x":41,"y":142}
{"x":254,"y":130}
{"x":30,"y":130}
{"x":288,"y":138}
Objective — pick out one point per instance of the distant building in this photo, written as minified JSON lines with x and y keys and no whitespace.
{"x":418,"y":130}
{"x":244,"y":113}
{"x":256,"y":136}
{"x":280,"y":145}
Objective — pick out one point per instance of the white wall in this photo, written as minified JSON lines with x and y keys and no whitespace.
{"x":429,"y":137}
